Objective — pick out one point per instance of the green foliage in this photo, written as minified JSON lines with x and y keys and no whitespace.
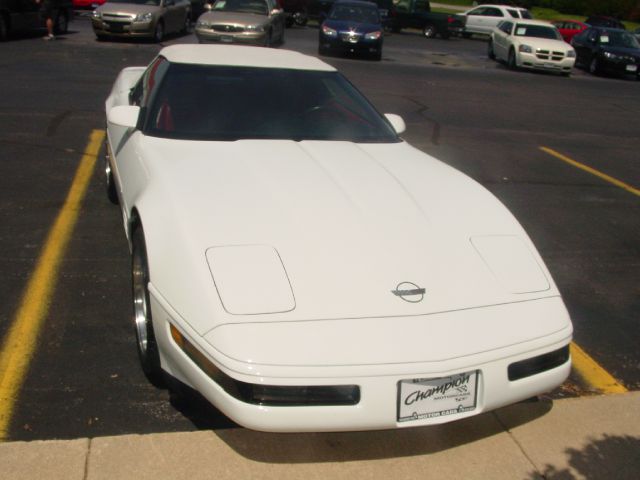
{"x":615,"y":8}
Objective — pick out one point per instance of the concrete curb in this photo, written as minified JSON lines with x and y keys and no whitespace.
{"x":588,"y":437}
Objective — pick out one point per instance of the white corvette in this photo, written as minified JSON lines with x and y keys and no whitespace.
{"x":303,"y":267}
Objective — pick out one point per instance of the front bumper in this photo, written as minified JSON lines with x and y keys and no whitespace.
{"x":207,"y":35}
{"x":123,"y":28}
{"x":620,"y":67}
{"x":378,"y":404}
{"x":534,"y":62}
{"x":344,"y":43}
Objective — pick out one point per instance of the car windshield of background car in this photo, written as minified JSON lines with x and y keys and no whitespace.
{"x":619,"y":39}
{"x":153,"y":3}
{"x":258,"y":7}
{"x":355,"y":14}
{"x":537,"y":31}
{"x":200,"y":102}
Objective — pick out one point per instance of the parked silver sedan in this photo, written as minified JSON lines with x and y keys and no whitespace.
{"x":141,"y":18}
{"x":254,"y":22}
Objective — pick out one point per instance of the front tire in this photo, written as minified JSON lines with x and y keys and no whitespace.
{"x":158,"y":33}
{"x":143,"y":323}
{"x":511,"y":61}
{"x":490,"y":53}
{"x":62,"y":23}
{"x":4,"y":28}
{"x":429,"y":31}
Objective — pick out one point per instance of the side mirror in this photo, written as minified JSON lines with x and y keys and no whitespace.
{"x":396,"y":122}
{"x":275,"y":11}
{"x":124,"y":116}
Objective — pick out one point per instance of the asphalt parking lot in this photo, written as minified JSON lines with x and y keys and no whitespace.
{"x":514,"y":132}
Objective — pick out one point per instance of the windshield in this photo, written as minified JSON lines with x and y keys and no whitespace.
{"x":537,"y":31}
{"x":155,"y":3}
{"x":353,"y":13}
{"x":201,"y":102}
{"x":619,"y":39}
{"x":258,"y":7}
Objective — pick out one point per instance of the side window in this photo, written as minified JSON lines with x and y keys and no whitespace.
{"x":513,"y":13}
{"x":422,"y":6}
{"x":403,"y":6}
{"x":506,"y":27}
{"x":478,"y":11}
{"x":493,"y":12}
{"x":141,"y":93}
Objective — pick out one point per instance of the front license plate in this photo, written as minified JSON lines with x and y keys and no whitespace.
{"x":424,"y":398}
{"x":226,"y":39}
{"x":632,"y":68}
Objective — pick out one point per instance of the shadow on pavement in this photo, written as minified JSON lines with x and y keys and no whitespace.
{"x":294,"y":448}
{"x":606,"y":457}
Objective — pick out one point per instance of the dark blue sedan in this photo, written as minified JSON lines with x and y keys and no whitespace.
{"x":352,"y":27}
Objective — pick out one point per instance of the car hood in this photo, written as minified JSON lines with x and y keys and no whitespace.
{"x":235,"y":18}
{"x":331,"y":230}
{"x":127,"y":8}
{"x":349,"y":26}
{"x":544,"y":43}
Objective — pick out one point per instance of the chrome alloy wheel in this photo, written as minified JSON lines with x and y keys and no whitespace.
{"x":140,"y":301}
{"x":143,"y":323}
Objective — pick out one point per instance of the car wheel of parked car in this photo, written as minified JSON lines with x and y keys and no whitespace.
{"x":187,"y":23}
{"x":466,"y":35}
{"x":268,"y":40}
{"x":300,"y":18}
{"x":377,"y":56}
{"x":146,"y":340}
{"x":490,"y":53}
{"x":4,"y":28}
{"x":511,"y":61}
{"x":158,"y":33}
{"x":62,"y":23}
{"x":429,"y":31}
{"x":594,"y":66}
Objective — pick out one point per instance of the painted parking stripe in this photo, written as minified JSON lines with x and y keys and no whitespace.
{"x":20,"y":342}
{"x":592,"y":171}
{"x":592,"y":373}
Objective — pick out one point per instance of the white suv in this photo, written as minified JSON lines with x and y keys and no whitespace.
{"x":484,"y":18}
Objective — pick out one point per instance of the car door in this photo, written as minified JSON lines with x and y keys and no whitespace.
{"x":502,"y":39}
{"x":173,"y":15}
{"x":584,"y":44}
{"x":483,"y":19}
{"x":129,"y":173}
{"x":24,"y":14}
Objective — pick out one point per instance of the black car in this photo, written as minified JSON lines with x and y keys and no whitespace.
{"x":604,"y":21}
{"x":352,"y":26}
{"x":607,"y":50}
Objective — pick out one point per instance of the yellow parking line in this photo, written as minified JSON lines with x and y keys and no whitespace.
{"x":592,"y":373}
{"x":592,"y":171}
{"x":20,"y":342}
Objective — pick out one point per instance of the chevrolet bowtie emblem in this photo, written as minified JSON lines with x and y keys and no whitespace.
{"x":409,"y":292}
